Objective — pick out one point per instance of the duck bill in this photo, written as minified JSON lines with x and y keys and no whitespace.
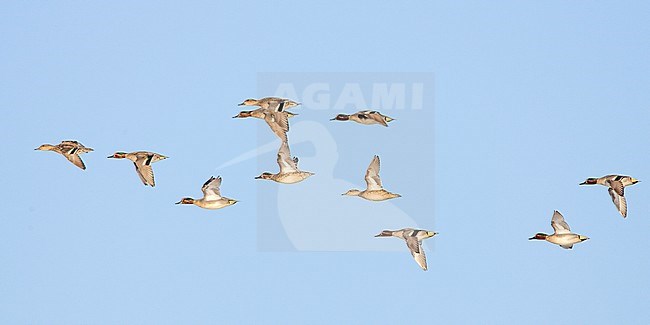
{"x":583,"y":183}
{"x":241,"y":104}
{"x":179,"y":202}
{"x":110,"y":157}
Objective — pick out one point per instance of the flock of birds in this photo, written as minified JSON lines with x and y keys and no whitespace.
{"x":274,"y":112}
{"x":562,"y":234}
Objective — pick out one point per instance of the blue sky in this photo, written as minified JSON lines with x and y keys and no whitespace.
{"x":530,"y":98}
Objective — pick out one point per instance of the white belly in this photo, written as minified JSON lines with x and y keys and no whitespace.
{"x":564,"y":239}
{"x":292,"y":178}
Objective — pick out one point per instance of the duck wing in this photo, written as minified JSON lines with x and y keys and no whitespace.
{"x":381,"y":119}
{"x":619,"y":201}
{"x":415,"y":246}
{"x":211,"y":190}
{"x":75,"y":159}
{"x":617,"y":186}
{"x":144,"y":170}
{"x":286,"y":163}
{"x":373,"y":181}
{"x":559,"y":225}
{"x":70,"y":150}
{"x":278,"y":122}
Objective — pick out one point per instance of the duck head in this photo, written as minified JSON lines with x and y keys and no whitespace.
{"x":249,"y":102}
{"x":186,"y":200}
{"x":243,"y":114}
{"x":45,"y":147}
{"x":119,"y":155}
{"x":539,"y":236}
{"x":582,"y":238}
{"x":231,"y":201}
{"x":634,"y":180}
{"x":264,"y":175}
{"x":431,"y":234}
{"x":385,"y":233}
{"x":341,"y":117}
{"x":353,"y":192}
{"x":589,"y":181}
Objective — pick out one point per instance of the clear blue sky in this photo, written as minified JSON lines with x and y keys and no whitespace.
{"x":530,"y":98}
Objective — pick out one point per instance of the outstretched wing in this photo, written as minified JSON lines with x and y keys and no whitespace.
{"x":211,"y":190}
{"x":372,"y":175}
{"x":286,"y":163}
{"x":75,"y":159}
{"x":617,"y":186}
{"x":378,"y":117}
{"x":619,"y":201}
{"x":278,"y":122}
{"x":144,"y":170}
{"x":417,"y":252}
{"x":559,"y":225}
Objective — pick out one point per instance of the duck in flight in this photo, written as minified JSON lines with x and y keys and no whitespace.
{"x":70,"y":149}
{"x":272,"y":103}
{"x":142,"y":161}
{"x":365,"y":117}
{"x":273,"y":114}
{"x":413,"y":238}
{"x":289,"y":172}
{"x":212,"y":198}
{"x":616,"y":187}
{"x":258,"y":113}
{"x":562,"y":234}
{"x":374,"y":190}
